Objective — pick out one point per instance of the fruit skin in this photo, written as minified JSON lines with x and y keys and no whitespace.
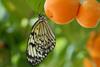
{"x":97,"y":61}
{"x":93,"y":47}
{"x":87,"y":63}
{"x":97,"y":43}
{"x":89,"y":13}
{"x":93,"y":44}
{"x":61,"y":11}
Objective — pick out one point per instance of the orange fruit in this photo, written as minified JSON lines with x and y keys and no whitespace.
{"x":97,"y":44}
{"x":61,"y":11}
{"x":89,"y":13}
{"x":97,"y":61}
{"x":93,"y":44}
{"x":93,"y":47}
{"x":87,"y":63}
{"x":94,"y":63}
{"x":94,"y":53}
{"x":91,"y":39}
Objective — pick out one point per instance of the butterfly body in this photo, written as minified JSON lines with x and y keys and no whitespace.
{"x":41,"y":41}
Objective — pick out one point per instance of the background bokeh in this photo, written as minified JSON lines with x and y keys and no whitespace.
{"x":16,"y":20}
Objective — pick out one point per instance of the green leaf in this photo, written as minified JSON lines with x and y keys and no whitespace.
{"x":36,"y":5}
{"x":18,"y":8}
{"x":98,"y":0}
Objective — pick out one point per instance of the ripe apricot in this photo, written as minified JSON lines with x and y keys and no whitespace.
{"x":97,"y":44}
{"x":93,"y":44}
{"x":89,"y":13}
{"x":61,"y":11}
{"x":87,"y":63}
{"x":91,"y":39}
{"x":94,"y":53}
{"x":97,"y":61}
{"x":94,"y":63}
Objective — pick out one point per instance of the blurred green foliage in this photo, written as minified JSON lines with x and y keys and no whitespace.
{"x":16,"y":20}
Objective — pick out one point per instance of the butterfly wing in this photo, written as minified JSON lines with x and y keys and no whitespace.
{"x":41,"y":41}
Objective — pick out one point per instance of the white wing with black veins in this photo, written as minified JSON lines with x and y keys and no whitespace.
{"x":41,"y":41}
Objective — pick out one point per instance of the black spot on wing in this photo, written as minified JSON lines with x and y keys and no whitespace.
{"x":33,"y":45}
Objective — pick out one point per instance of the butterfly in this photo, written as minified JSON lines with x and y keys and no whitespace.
{"x":41,"y":41}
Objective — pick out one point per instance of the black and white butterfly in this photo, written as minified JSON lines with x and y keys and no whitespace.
{"x":41,"y":41}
